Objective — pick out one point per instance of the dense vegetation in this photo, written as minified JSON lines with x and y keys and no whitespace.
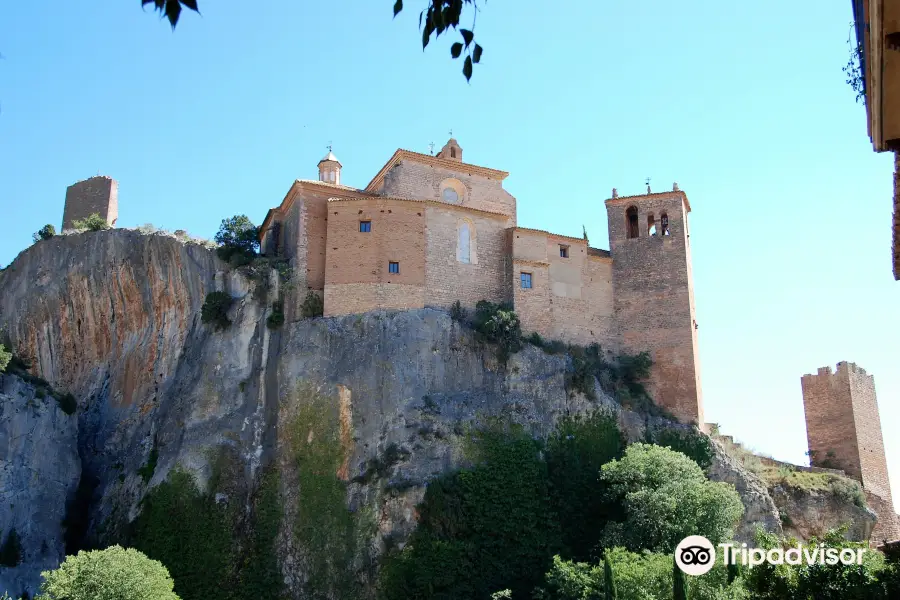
{"x":499,"y":524}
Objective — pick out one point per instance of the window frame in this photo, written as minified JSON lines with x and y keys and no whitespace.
{"x":368,"y":226}
{"x":391,"y":265}
{"x":563,"y":251}
{"x":523,"y":276}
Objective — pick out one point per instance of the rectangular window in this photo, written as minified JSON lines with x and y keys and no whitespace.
{"x":393,"y":267}
{"x":563,"y":251}
{"x":526,"y":280}
{"x":365,"y":226}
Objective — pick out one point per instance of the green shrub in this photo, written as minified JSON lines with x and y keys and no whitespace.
{"x":457,"y":312}
{"x":819,"y":581}
{"x":215,"y":309}
{"x":11,"y":550}
{"x":67,"y":403}
{"x":691,"y":443}
{"x":312,"y":306}
{"x":115,"y":573}
{"x":276,"y":317}
{"x":44,"y":233}
{"x":5,"y":358}
{"x":575,"y":452}
{"x":498,"y":324}
{"x":238,"y":240}
{"x":666,"y":497}
{"x":146,"y":471}
{"x":535,"y":339}
{"x":94,"y":222}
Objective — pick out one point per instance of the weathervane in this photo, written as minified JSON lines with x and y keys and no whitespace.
{"x":329,"y":146}
{"x":451,"y":133}
{"x":648,"y":185}
{"x":431,"y":148}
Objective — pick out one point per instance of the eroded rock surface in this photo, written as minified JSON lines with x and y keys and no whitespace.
{"x":114,"y":318}
{"x":39,"y":472}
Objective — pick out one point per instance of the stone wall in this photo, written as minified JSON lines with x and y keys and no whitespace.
{"x":355,"y":258}
{"x":95,"y":195}
{"x":447,"y":277}
{"x":653,"y":298}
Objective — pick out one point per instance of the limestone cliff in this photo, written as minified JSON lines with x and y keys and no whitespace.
{"x":114,"y":319}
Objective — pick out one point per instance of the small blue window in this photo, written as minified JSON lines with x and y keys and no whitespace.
{"x":365,"y":226}
{"x":393,"y":267}
{"x":526,"y":280}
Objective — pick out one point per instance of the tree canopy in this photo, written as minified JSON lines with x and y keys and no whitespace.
{"x":438,"y":17}
{"x":115,"y":573}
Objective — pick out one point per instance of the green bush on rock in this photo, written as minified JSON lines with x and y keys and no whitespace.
{"x":215,"y":309}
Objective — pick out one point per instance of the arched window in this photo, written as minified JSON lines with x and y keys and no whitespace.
{"x":664,"y":223}
{"x":651,"y":225}
{"x":464,"y":253}
{"x":450,"y":195}
{"x":631,"y":222}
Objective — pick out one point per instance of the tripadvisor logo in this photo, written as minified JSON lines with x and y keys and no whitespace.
{"x":695,"y":555}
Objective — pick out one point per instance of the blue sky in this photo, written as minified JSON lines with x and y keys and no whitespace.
{"x":743,"y":104}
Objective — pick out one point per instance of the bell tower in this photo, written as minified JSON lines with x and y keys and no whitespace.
{"x":653,"y":294}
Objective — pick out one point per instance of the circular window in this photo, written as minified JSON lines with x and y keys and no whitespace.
{"x":450,"y":195}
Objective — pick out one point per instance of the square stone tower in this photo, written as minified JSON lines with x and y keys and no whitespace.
{"x":653,"y":294}
{"x":843,"y":428}
{"x":98,"y":194}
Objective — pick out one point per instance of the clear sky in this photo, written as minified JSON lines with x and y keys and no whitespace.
{"x":743,"y":104}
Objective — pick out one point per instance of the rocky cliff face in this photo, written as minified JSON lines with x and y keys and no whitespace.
{"x":39,"y":471}
{"x":114,"y":318}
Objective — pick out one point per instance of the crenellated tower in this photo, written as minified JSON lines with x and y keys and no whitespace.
{"x":653,"y":294}
{"x":843,"y":431}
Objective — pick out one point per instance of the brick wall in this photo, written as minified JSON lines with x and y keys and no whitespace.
{"x":354,"y":258}
{"x":95,"y":195}
{"x":842,"y":417}
{"x":652,"y":298}
{"x":830,"y":426}
{"x":571,"y":297}
{"x":485,"y":277}
{"x":409,"y":179}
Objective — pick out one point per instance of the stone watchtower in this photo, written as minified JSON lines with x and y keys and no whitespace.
{"x":653,"y":294}
{"x":98,"y":194}
{"x":843,"y":430}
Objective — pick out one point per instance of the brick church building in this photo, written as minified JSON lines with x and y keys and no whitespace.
{"x":427,"y":231}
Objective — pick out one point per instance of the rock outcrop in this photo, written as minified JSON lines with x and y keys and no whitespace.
{"x":39,"y":473}
{"x":114,"y":318}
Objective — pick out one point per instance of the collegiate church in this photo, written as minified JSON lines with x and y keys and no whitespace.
{"x":430,"y":230}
